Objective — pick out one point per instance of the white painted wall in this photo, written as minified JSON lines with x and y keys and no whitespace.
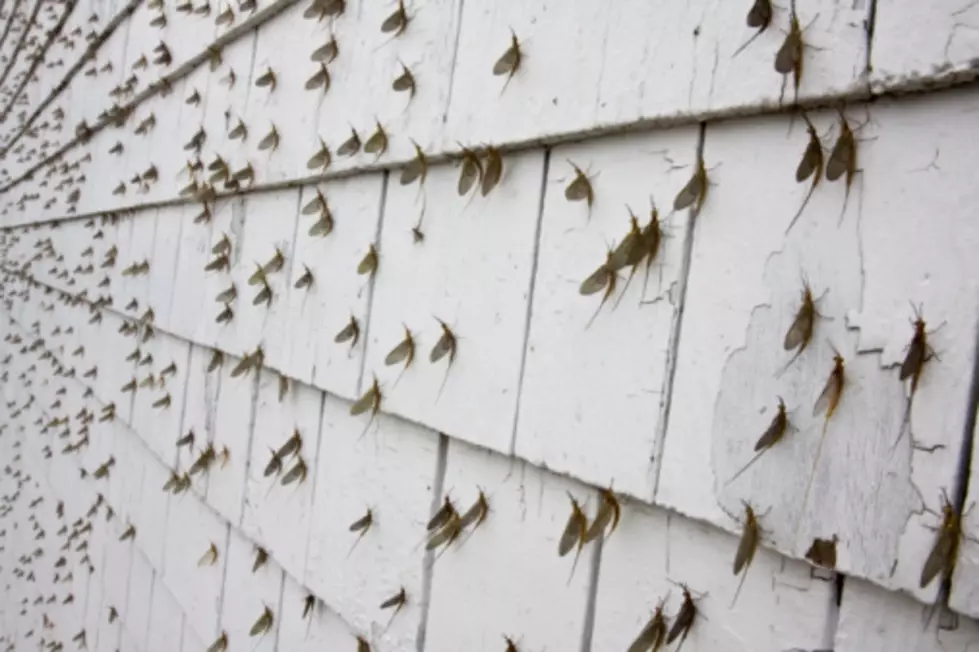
{"x":660,"y":398}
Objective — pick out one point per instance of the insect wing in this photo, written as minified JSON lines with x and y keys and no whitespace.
{"x":683,"y":622}
{"x":399,"y":353}
{"x":801,"y":329}
{"x":915,"y":358}
{"x":746,"y":547}
{"x":573,"y":531}
{"x":829,"y":397}
{"x":940,"y":556}
{"x":812,"y":161}
{"x":760,"y":15}
{"x":444,"y":346}
{"x":596,"y":282}
{"x":471,"y":171}
{"x":788,"y":54}
{"x":690,"y":192}
{"x":492,"y":171}
{"x":507,"y":64}
{"x":839,"y":158}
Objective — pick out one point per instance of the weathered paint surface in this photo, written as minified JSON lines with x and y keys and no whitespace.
{"x":143,"y":504}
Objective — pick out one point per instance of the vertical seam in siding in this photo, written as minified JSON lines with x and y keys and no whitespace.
{"x":370,"y":284}
{"x":428,"y":563}
{"x":530,"y":298}
{"x":673,"y":347}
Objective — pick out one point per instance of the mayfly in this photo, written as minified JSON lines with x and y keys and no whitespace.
{"x":264,"y":295}
{"x":829,"y":398}
{"x":810,"y":165}
{"x":304,"y":281}
{"x":442,"y":515}
{"x":476,"y":514}
{"x":297,"y":472}
{"x":760,"y":18}
{"x":919,"y":352}
{"x":605,"y":277}
{"x":261,"y":558}
{"x":684,"y":619}
{"x":750,"y":537}
{"x":403,"y":352}
{"x":447,"y":345}
{"x":772,"y":435}
{"x":492,"y":170}
{"x":822,"y":552}
{"x":309,"y":603}
{"x":828,"y":401}
{"x":319,"y":79}
{"x":203,"y":462}
{"x":574,"y":533}
{"x":267,"y":80}
{"x":263,"y":624}
{"x":350,"y":146}
{"x":800,"y":332}
{"x":789,"y":58}
{"x":417,"y":168}
{"x":941,"y":559}
{"x":362,"y":525}
{"x":321,"y":159}
{"x":404,"y":82}
{"x":283,"y":387}
{"x":220,"y":645}
{"x":210,"y":557}
{"x":471,"y":171}
{"x":324,"y":225}
{"x":653,"y":635}
{"x":695,"y":192}
{"x":217,"y":357}
{"x":327,"y":52}
{"x":580,"y":188}
{"x":350,"y":332}
{"x":371,"y":400}
{"x":396,"y":601}
{"x":397,"y":22}
{"x":843,"y":160}
{"x":509,"y":62}
{"x":270,"y":141}
{"x":609,"y":513}
{"x":378,"y":142}
{"x":368,"y":264}
{"x":274,"y":467}
{"x":227,"y":295}
{"x":629,"y":253}
{"x":447,"y":533}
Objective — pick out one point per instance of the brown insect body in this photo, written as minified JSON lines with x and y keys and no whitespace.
{"x":684,"y":619}
{"x":609,"y":513}
{"x":822,"y":552}
{"x":788,"y":59}
{"x":653,"y":635}
{"x":580,"y":188}
{"x":509,"y":63}
{"x":772,"y":435}
{"x":405,"y":351}
{"x":941,"y":559}
{"x":747,"y":546}
{"x":811,"y":165}
{"x":829,"y":399}
{"x":843,"y":160}
{"x":471,"y":171}
{"x":760,"y":18}
{"x":695,"y":192}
